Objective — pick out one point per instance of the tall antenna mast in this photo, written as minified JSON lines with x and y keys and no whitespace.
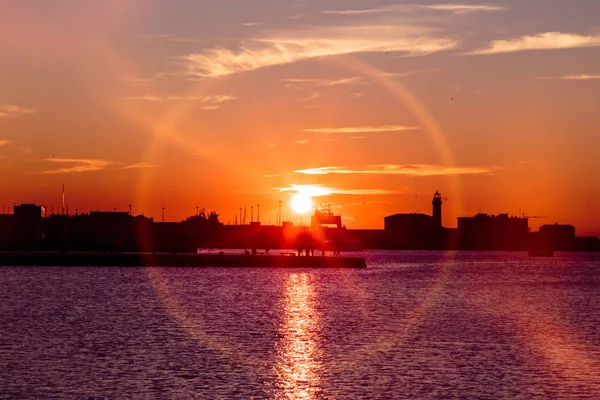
{"x":63,"y":199}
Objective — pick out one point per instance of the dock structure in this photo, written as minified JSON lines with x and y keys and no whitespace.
{"x":176,"y":260}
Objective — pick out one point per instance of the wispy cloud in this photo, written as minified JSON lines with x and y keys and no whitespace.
{"x":582,"y":77}
{"x":73,"y":165}
{"x":290,"y":46}
{"x":4,"y":142}
{"x":363,"y":129}
{"x":301,"y":141}
{"x":320,"y":191}
{"x":77,"y":165}
{"x":140,"y":165}
{"x":211,"y":102}
{"x":9,"y":110}
{"x":541,"y":41}
{"x":363,"y":11}
{"x":406,"y":74}
{"x":394,"y":169}
{"x":463,"y":8}
{"x":355,"y":80}
{"x":403,"y":8}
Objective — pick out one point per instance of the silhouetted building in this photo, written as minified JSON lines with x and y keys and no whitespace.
{"x":587,"y":243}
{"x":437,"y":209}
{"x":409,"y":231}
{"x":6,"y":231}
{"x":416,"y":231}
{"x":489,"y":232}
{"x":27,"y":232}
{"x":557,"y":237}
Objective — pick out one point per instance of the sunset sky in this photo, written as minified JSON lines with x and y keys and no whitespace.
{"x":371,"y":106}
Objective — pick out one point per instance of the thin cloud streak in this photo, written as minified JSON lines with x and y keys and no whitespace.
{"x":140,"y":165}
{"x":463,"y":8}
{"x":541,"y":41}
{"x":288,"y":47}
{"x":90,"y":164}
{"x":320,"y":191}
{"x":9,"y":110}
{"x":211,"y":102}
{"x":81,"y":165}
{"x":355,"y":80}
{"x":403,"y":8}
{"x":394,"y":169}
{"x":4,"y":142}
{"x":363,"y":129}
{"x":582,"y":77}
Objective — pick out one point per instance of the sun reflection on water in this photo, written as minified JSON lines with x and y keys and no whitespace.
{"x":298,"y":368}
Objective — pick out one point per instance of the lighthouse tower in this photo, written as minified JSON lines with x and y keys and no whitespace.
{"x":437,"y":209}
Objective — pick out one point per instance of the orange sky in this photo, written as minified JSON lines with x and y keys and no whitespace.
{"x":183,"y":104}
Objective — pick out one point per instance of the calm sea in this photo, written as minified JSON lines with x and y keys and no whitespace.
{"x":413,"y":325}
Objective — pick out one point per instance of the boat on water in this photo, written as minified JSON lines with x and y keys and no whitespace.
{"x":540,"y":253}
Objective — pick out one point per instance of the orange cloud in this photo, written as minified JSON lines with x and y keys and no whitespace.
{"x":211,"y":102}
{"x":541,"y":41}
{"x":79,"y":165}
{"x":320,"y":191}
{"x":355,"y":80}
{"x":393,"y":169}
{"x":8,"y":110}
{"x":463,"y":8}
{"x":363,"y":129}
{"x":453,"y":8}
{"x":90,"y":164}
{"x":582,"y":77}
{"x":291,"y":46}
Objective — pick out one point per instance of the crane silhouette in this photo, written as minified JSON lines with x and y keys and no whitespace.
{"x":532,"y":216}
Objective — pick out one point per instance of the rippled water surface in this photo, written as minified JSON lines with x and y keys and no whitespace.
{"x":413,"y":325}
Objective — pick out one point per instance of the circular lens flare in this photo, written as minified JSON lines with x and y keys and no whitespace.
{"x":301,"y":203}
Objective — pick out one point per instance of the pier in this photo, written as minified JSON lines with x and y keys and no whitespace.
{"x":176,"y":260}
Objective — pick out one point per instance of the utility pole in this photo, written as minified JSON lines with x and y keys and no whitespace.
{"x":279,"y":214}
{"x":258,"y":217}
{"x":163,"y":214}
{"x":63,"y":199}
{"x":251,"y":214}
{"x":197,"y":211}
{"x":130,"y":209}
{"x":240,"y":215}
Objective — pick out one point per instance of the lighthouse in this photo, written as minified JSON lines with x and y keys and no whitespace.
{"x":437,"y":209}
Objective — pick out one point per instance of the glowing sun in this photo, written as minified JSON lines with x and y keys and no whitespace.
{"x":301,"y":203}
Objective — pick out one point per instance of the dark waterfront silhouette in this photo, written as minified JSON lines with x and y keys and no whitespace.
{"x":28,"y":229}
